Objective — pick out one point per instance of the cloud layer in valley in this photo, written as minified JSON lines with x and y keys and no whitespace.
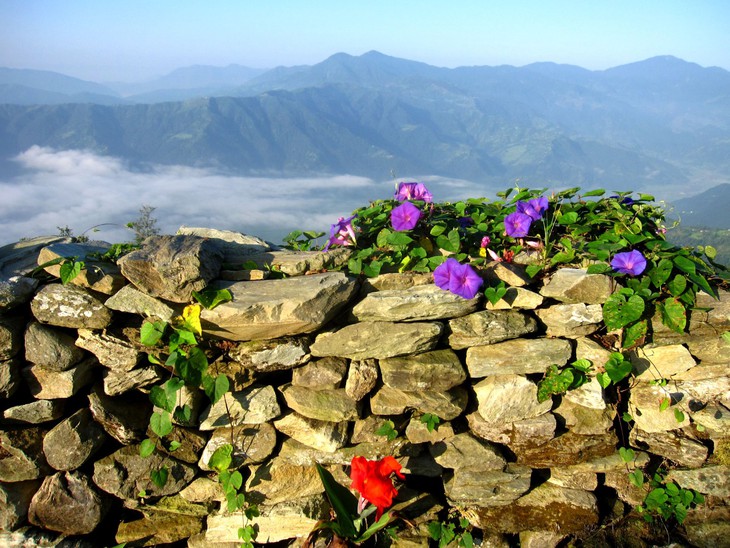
{"x":81,"y":190}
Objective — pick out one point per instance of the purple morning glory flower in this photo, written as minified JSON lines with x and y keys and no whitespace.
{"x":517,"y":224}
{"x":460,"y":279}
{"x":413,"y":191}
{"x":534,"y":208}
{"x":341,"y":233}
{"x":442,"y":273}
{"x":632,"y":263}
{"x":405,"y":216}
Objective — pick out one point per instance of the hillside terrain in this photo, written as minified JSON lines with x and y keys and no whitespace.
{"x":660,"y":123}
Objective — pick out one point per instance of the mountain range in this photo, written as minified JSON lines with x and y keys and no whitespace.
{"x":659,"y":123}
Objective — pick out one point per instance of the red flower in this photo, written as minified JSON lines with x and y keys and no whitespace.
{"x":371,"y":478}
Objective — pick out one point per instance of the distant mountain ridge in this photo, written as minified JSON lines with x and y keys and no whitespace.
{"x":661,"y":121}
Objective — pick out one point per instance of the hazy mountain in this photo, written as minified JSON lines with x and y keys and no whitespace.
{"x":656,"y":123}
{"x":708,"y":209}
{"x":25,"y":87}
{"x":187,"y":83}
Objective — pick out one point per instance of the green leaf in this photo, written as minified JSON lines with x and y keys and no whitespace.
{"x":599,"y":268}
{"x":555,"y":382}
{"x":634,"y":332}
{"x":215,"y":388}
{"x":210,"y":297}
{"x":430,"y":420}
{"x":159,"y":477}
{"x":726,"y":336}
{"x":174,"y":446}
{"x":603,"y":379}
{"x":677,"y":285}
{"x":158,"y":397}
{"x":69,"y":270}
{"x":627,"y":454}
{"x":626,"y":417}
{"x":495,"y":294}
{"x":183,"y":414}
{"x":619,"y":311}
{"x":617,"y":368}
{"x":685,"y":264}
{"x":636,"y":478}
{"x":678,"y":415}
{"x":710,"y":252}
{"x":151,"y":332}
{"x":146,"y":448}
{"x":568,"y":218}
{"x":373,"y":269}
{"x":383,"y":522}
{"x":660,"y":273}
{"x":674,"y":315}
{"x":388,"y":430}
{"x":342,"y":501}
{"x":398,"y":239}
{"x":532,"y":269}
{"x":665,"y":403}
{"x":160,"y":423}
{"x":450,"y":242}
{"x":221,"y":458}
{"x":596,"y":192}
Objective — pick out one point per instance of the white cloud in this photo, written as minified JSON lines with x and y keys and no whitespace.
{"x":81,"y":190}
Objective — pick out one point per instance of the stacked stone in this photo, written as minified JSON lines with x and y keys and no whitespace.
{"x":317,"y":363}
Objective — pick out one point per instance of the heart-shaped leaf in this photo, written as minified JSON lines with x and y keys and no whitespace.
{"x":619,"y":311}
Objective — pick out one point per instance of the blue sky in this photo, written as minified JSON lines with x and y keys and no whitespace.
{"x":134,"y":40}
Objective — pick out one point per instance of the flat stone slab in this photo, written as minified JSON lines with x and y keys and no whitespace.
{"x":419,"y":303}
{"x":269,"y":309}
{"x":365,"y":340}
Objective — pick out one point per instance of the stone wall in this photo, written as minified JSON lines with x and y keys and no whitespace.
{"x":317,"y":362}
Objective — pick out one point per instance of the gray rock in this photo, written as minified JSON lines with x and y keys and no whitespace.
{"x":46,"y":384}
{"x":73,"y":441}
{"x":272,"y":355}
{"x":69,"y":306}
{"x":67,"y":502}
{"x":168,"y":522}
{"x":435,"y":370}
{"x":290,"y":519}
{"x":118,"y":382}
{"x":378,"y":340}
{"x":125,"y":473}
{"x":644,"y":407}
{"x":710,"y":350}
{"x":651,"y":361}
{"x":585,"y":420}
{"x":713,"y":480}
{"x":511,"y":274}
{"x":509,"y":398}
{"x":517,"y":356}
{"x":253,"y":405}
{"x":325,"y":373}
{"x":545,"y":508}
{"x":362,"y":376}
{"x":417,"y":431}
{"x":324,"y":405}
{"x":269,"y":309}
{"x":35,"y":412}
{"x":125,"y":418}
{"x":10,"y":379}
{"x":235,"y":246}
{"x":575,"y":285}
{"x":489,"y":327}
{"x":571,"y":320}
{"x":100,"y":276}
{"x":534,"y":432}
{"x":672,"y":445}
{"x":22,"y":454}
{"x":396,"y":281}
{"x":517,"y":298}
{"x":14,"y":502}
{"x":11,"y":336}
{"x":565,"y":449}
{"x":447,"y":405}
{"x":15,"y":291}
{"x":587,"y":395}
{"x":280,"y":480}
{"x":419,"y":303}
{"x":111,"y":351}
{"x":464,"y":451}
{"x":172,"y":267}
{"x":487,"y":488}
{"x":252,"y":444}
{"x":51,"y":347}
{"x":707,"y":527}
{"x":298,"y":263}
{"x":321,"y":435}
{"x":21,"y":258}
{"x":133,"y":301}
